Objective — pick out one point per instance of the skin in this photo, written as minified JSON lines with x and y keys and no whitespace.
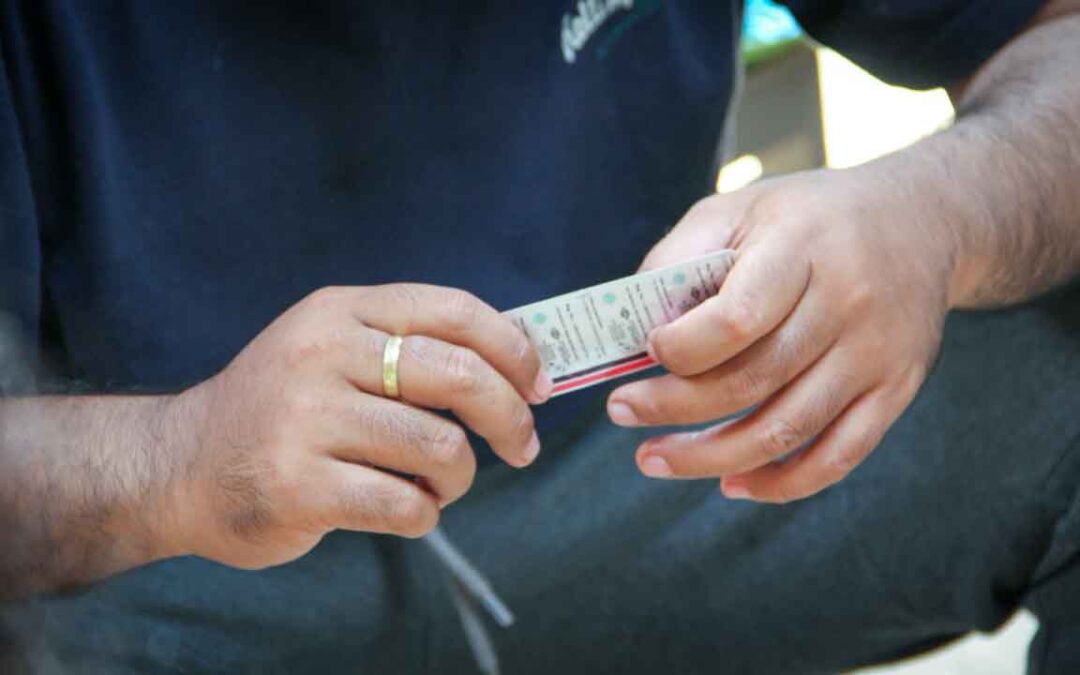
{"x":291,"y":440}
{"x":832,"y":315}
{"x":830,"y":320}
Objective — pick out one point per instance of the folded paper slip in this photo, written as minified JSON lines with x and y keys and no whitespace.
{"x":599,"y":333}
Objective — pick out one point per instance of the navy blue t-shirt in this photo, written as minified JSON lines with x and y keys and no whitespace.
{"x":176,"y":174}
{"x":173,"y":175}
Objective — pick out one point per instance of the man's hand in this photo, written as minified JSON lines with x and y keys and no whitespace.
{"x":828,"y":323}
{"x":294,"y":438}
{"x":832,"y":315}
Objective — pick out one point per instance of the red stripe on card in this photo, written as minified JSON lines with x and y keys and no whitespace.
{"x":610,"y":373}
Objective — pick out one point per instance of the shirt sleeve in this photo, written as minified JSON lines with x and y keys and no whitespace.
{"x":915,"y":43}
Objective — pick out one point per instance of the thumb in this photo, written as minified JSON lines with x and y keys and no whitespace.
{"x":705,"y":228}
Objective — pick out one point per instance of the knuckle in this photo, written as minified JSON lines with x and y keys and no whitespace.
{"x":402,"y":294}
{"x":828,"y":403}
{"x":461,"y":369}
{"x":314,"y":345}
{"x":859,"y":296}
{"x":454,"y":490}
{"x":413,"y":515}
{"x":327,"y":298}
{"x":767,"y":206}
{"x":778,"y":438}
{"x":849,"y":453}
{"x":525,"y":354}
{"x":462,"y":310}
{"x":706,"y":208}
{"x":523,"y":423}
{"x":391,"y":426}
{"x":336,"y":340}
{"x":449,"y":446}
{"x":387,"y":508}
{"x":290,"y":493}
{"x":364,"y":507}
{"x":875,"y":338}
{"x":653,"y":409}
{"x":299,"y":351}
{"x":749,"y":385}
{"x":738,"y":319}
{"x":792,"y":348}
{"x":303,"y":405}
{"x":841,"y":462}
{"x":404,"y":298}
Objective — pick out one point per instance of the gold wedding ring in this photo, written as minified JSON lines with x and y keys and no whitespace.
{"x":390,"y":355}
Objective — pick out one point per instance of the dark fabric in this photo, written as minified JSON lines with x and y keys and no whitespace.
{"x":965,"y":512}
{"x":198,"y":166}
{"x":174,"y":174}
{"x":915,"y":43}
{"x":20,"y":252}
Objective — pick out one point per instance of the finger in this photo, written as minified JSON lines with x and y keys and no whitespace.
{"x":457,"y":317}
{"x":735,"y":385}
{"x":397,"y":436}
{"x":764,"y":285}
{"x":843,"y":446}
{"x":368,"y":500}
{"x":436,"y":374}
{"x":797,"y":414}
{"x":706,"y":227}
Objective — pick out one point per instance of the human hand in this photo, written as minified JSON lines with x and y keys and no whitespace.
{"x":294,"y":438}
{"x":828,"y":322}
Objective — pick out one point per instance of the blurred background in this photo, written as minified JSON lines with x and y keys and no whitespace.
{"x":802,"y":107}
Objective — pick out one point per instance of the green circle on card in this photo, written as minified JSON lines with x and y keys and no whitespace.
{"x":609,"y":298}
{"x":539,"y":317}
{"x":680,"y":278}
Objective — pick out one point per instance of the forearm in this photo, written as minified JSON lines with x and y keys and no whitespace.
{"x":1001,"y":187}
{"x":84,"y":488}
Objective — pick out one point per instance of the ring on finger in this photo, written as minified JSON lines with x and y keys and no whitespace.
{"x":391,"y":355}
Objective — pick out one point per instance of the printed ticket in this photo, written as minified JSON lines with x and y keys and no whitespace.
{"x":597,"y":334}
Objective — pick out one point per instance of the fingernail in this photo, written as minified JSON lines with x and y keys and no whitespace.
{"x":542,"y":387}
{"x":733,"y":490}
{"x":531,"y":450}
{"x":622,"y":414}
{"x":655,"y":466}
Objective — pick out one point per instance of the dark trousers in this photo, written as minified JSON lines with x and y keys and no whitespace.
{"x":967,"y":511}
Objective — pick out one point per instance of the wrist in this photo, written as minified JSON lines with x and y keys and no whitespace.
{"x":174,"y":514}
{"x":944,"y":211}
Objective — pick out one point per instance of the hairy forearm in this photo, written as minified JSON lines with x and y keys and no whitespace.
{"x":1002,"y":183}
{"x":84,"y":483}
